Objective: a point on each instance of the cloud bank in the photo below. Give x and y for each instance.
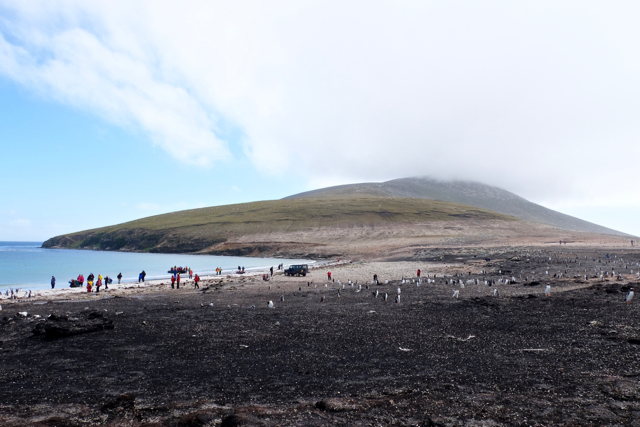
(540, 98)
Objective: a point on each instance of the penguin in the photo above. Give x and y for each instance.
(629, 296)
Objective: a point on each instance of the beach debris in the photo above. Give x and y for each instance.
(404, 349)
(371, 311)
(456, 294)
(460, 339)
(210, 304)
(277, 324)
(144, 322)
(119, 312)
(244, 346)
(253, 307)
(23, 314)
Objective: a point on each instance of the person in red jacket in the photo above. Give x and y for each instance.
(196, 280)
(328, 275)
(418, 273)
(173, 281)
(178, 281)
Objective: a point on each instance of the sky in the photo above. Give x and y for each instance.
(113, 111)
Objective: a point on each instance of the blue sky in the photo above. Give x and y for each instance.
(65, 170)
(112, 111)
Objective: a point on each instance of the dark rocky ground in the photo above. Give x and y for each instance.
(170, 358)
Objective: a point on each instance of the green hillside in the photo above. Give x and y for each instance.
(201, 229)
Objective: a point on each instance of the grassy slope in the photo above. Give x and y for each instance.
(220, 223)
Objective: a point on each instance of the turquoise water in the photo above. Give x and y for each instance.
(28, 266)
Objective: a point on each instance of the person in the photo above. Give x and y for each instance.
(328, 275)
(100, 277)
(53, 282)
(89, 285)
(375, 277)
(139, 277)
(107, 280)
(243, 268)
(173, 281)
(119, 277)
(418, 273)
(190, 274)
(144, 274)
(178, 280)
(196, 280)
(271, 270)
(98, 283)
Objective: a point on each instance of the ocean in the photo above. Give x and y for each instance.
(28, 266)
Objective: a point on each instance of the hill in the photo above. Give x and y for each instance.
(288, 227)
(466, 193)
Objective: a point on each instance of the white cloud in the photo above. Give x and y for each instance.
(539, 98)
(20, 222)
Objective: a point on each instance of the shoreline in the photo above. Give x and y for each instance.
(148, 285)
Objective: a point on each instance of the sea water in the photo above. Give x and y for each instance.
(28, 266)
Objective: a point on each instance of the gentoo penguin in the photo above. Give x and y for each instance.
(547, 291)
(629, 296)
(456, 294)
(270, 304)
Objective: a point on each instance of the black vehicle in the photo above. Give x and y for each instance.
(297, 270)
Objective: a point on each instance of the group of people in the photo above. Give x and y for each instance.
(175, 280)
(218, 271)
(91, 279)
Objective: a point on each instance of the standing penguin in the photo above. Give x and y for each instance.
(629, 296)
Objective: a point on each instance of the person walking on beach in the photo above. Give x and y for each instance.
(89, 285)
(98, 283)
(119, 277)
(106, 282)
(178, 280)
(271, 270)
(196, 280)
(328, 275)
(53, 282)
(418, 273)
(173, 281)
(190, 274)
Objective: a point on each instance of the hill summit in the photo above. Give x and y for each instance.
(466, 193)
